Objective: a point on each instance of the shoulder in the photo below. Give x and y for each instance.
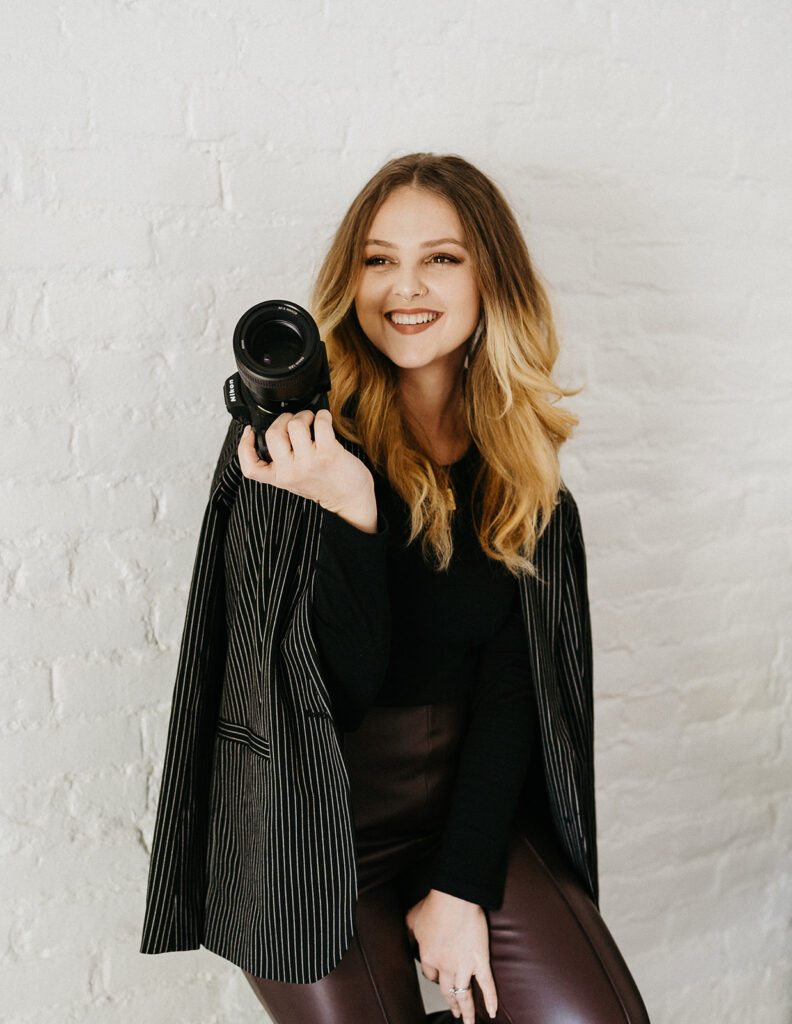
(561, 543)
(564, 520)
(568, 512)
(571, 533)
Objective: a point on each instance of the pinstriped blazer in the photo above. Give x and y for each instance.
(253, 853)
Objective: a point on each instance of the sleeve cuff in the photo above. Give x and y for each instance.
(490, 897)
(344, 536)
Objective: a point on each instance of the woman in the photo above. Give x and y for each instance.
(433, 599)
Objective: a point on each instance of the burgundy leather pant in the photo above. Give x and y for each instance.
(552, 957)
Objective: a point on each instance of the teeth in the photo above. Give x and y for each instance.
(410, 319)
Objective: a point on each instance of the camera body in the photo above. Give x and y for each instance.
(281, 367)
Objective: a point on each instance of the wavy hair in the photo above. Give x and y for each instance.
(507, 395)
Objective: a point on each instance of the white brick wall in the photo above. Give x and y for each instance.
(163, 167)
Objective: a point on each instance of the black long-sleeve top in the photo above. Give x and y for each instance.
(391, 630)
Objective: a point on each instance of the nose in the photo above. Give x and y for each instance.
(409, 285)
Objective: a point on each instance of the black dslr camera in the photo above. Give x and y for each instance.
(282, 364)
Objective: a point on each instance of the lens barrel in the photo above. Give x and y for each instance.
(278, 352)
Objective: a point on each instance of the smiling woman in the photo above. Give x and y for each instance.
(438, 231)
(381, 747)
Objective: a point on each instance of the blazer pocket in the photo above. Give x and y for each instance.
(241, 734)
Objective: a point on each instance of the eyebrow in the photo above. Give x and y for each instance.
(424, 245)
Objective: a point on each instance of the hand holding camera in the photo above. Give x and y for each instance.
(280, 392)
(318, 468)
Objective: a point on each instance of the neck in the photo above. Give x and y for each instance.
(431, 401)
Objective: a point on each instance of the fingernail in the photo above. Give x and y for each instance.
(491, 1012)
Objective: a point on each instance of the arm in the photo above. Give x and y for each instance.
(449, 924)
(493, 764)
(352, 615)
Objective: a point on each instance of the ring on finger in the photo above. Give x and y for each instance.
(458, 991)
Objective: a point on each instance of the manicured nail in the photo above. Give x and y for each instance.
(491, 1012)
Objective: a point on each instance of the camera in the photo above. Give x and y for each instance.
(282, 367)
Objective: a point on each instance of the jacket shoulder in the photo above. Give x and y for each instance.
(568, 512)
(564, 521)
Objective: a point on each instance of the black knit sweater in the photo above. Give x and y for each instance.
(393, 631)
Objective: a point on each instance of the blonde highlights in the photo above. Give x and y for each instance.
(507, 396)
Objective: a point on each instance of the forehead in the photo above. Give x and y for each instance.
(414, 215)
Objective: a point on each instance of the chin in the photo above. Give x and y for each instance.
(410, 364)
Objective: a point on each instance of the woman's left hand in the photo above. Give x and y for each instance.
(453, 946)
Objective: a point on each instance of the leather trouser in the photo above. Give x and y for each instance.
(552, 957)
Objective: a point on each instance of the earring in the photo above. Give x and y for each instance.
(475, 338)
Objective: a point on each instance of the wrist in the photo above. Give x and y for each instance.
(439, 897)
(361, 513)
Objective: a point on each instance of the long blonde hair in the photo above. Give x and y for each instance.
(508, 396)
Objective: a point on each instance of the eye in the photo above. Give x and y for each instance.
(375, 261)
(443, 257)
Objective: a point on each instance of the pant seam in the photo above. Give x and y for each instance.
(370, 973)
(502, 1009)
(578, 922)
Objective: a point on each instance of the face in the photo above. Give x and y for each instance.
(417, 299)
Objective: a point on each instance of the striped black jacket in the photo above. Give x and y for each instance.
(253, 852)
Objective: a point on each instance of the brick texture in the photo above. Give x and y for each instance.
(165, 166)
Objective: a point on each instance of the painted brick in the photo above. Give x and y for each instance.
(26, 694)
(52, 631)
(137, 174)
(125, 683)
(162, 168)
(32, 238)
(126, 104)
(81, 746)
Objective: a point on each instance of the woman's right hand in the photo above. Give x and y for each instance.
(320, 469)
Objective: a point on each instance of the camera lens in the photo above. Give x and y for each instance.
(278, 353)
